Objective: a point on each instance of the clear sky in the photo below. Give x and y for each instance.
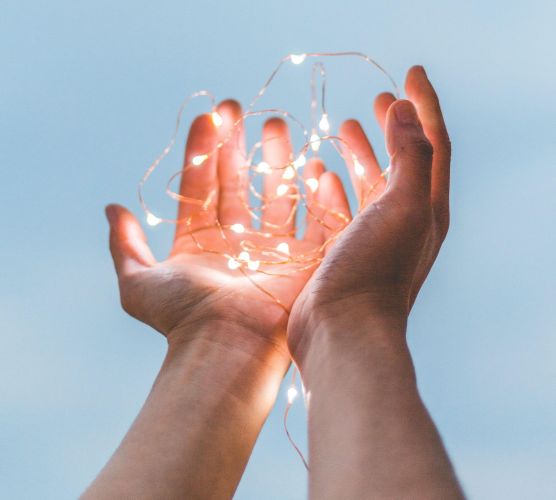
(88, 95)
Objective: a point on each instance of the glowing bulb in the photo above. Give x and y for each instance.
(283, 248)
(315, 142)
(216, 119)
(324, 124)
(297, 58)
(237, 228)
(199, 159)
(233, 264)
(263, 168)
(312, 184)
(358, 168)
(153, 220)
(289, 173)
(253, 265)
(244, 256)
(282, 189)
(300, 161)
(292, 394)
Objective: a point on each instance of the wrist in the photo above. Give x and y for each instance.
(226, 361)
(349, 337)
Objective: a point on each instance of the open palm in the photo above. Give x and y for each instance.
(194, 286)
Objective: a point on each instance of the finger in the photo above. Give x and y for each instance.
(311, 175)
(368, 182)
(410, 154)
(382, 103)
(332, 196)
(199, 183)
(233, 179)
(420, 91)
(128, 243)
(278, 215)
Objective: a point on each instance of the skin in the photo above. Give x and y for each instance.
(227, 351)
(370, 435)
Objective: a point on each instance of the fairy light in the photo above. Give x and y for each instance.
(263, 168)
(312, 184)
(292, 394)
(238, 245)
(289, 173)
(324, 124)
(315, 142)
(300, 161)
(233, 264)
(358, 168)
(283, 248)
(153, 220)
(216, 119)
(237, 228)
(297, 58)
(282, 189)
(253, 265)
(199, 160)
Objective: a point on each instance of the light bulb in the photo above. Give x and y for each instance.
(315, 142)
(233, 264)
(199, 159)
(292, 394)
(324, 124)
(289, 173)
(263, 168)
(358, 168)
(253, 265)
(297, 58)
(237, 228)
(244, 256)
(283, 248)
(300, 161)
(216, 119)
(282, 189)
(312, 184)
(153, 220)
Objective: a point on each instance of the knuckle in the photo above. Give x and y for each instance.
(420, 149)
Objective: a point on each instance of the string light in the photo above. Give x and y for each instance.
(283, 248)
(199, 160)
(312, 184)
(298, 58)
(324, 124)
(216, 119)
(292, 394)
(153, 220)
(239, 250)
(358, 168)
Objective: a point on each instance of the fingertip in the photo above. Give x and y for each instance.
(314, 168)
(350, 127)
(275, 125)
(382, 102)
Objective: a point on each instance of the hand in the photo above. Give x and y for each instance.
(379, 263)
(192, 287)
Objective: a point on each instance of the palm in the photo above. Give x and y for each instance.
(196, 283)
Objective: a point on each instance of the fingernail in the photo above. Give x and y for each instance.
(405, 113)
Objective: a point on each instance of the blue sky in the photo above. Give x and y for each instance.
(88, 95)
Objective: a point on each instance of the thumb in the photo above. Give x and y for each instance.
(128, 243)
(410, 152)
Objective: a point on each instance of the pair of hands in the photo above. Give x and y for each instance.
(377, 266)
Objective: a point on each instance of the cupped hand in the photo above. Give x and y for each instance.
(382, 258)
(193, 287)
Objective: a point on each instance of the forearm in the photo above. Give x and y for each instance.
(370, 436)
(194, 435)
